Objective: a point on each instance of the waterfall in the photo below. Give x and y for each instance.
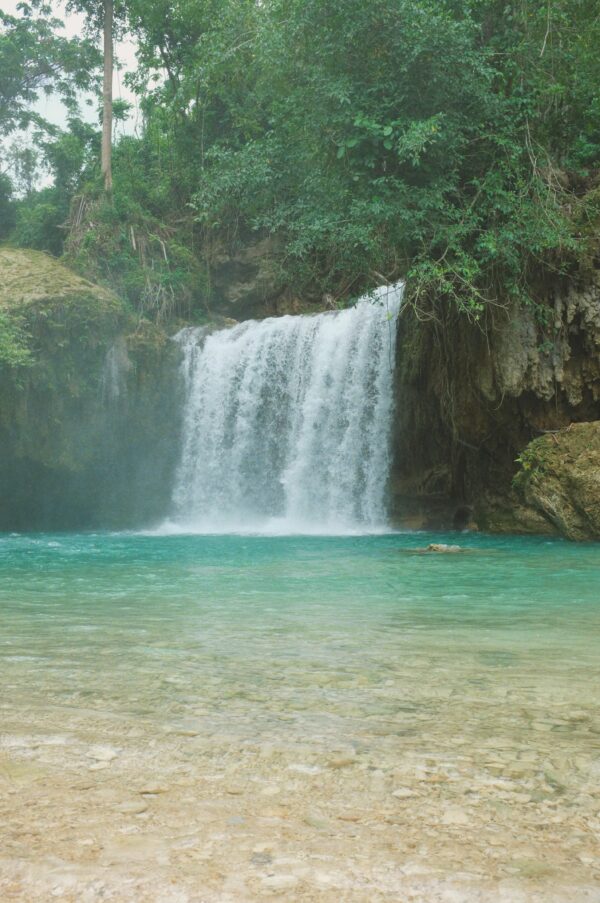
(287, 422)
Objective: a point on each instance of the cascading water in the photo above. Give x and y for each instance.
(287, 422)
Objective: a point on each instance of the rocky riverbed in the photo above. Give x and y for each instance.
(94, 808)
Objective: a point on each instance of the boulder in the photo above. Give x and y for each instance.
(560, 479)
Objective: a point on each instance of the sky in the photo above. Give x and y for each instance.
(51, 107)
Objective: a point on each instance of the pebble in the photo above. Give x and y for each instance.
(152, 789)
(350, 816)
(274, 812)
(280, 882)
(236, 820)
(313, 820)
(132, 807)
(327, 879)
(342, 762)
(186, 843)
(271, 790)
(261, 859)
(102, 753)
(234, 789)
(403, 793)
(533, 868)
(516, 773)
(578, 716)
(454, 815)
(304, 769)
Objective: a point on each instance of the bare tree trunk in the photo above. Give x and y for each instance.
(107, 97)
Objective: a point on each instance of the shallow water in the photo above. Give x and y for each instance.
(306, 718)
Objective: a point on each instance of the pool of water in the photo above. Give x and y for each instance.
(319, 718)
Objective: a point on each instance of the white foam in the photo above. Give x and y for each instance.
(287, 424)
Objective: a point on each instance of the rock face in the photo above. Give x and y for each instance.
(88, 427)
(89, 411)
(469, 400)
(560, 479)
(245, 282)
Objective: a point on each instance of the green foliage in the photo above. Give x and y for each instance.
(453, 143)
(421, 139)
(143, 259)
(7, 211)
(533, 462)
(35, 58)
(39, 218)
(14, 350)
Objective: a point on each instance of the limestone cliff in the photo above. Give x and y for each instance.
(471, 399)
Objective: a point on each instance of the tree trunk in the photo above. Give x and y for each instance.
(107, 97)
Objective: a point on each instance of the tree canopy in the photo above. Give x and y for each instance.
(35, 57)
(454, 143)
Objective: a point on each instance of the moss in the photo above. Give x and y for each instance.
(560, 479)
(14, 342)
(55, 329)
(70, 455)
(49, 317)
(30, 277)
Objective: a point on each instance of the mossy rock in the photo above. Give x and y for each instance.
(560, 479)
(72, 454)
(46, 308)
(33, 278)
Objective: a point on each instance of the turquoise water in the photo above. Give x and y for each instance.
(296, 621)
(356, 663)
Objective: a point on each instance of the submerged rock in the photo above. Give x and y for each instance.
(442, 547)
(439, 548)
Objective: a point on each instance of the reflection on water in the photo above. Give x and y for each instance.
(310, 718)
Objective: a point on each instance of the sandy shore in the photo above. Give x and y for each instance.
(97, 808)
